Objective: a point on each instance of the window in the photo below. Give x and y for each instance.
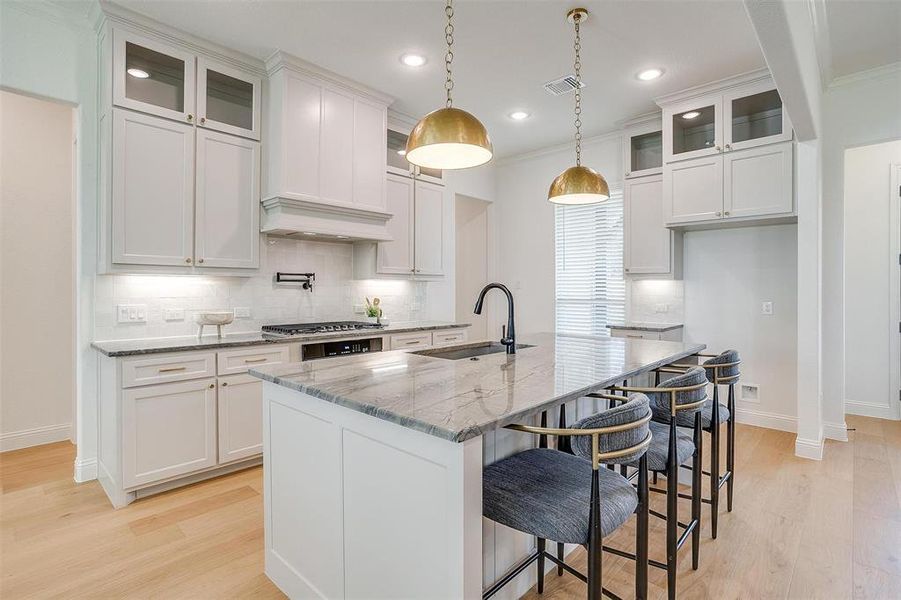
(590, 289)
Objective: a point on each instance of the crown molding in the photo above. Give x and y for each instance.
(588, 141)
(114, 14)
(881, 72)
(820, 21)
(280, 59)
(715, 86)
(655, 116)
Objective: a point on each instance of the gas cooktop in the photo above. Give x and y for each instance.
(326, 327)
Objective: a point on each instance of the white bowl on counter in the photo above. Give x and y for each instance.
(213, 317)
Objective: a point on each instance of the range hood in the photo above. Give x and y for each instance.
(305, 217)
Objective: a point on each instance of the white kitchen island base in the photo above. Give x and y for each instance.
(360, 507)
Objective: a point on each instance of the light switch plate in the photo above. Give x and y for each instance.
(131, 313)
(661, 308)
(173, 314)
(766, 308)
(242, 312)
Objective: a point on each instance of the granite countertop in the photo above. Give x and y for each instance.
(655, 327)
(116, 348)
(459, 400)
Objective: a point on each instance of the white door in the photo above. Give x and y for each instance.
(758, 181)
(153, 190)
(168, 430)
(428, 217)
(396, 257)
(228, 99)
(693, 190)
(753, 116)
(153, 77)
(648, 242)
(240, 417)
(336, 145)
(228, 201)
(370, 131)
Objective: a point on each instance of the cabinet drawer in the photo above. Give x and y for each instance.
(635, 335)
(164, 369)
(447, 338)
(234, 362)
(403, 341)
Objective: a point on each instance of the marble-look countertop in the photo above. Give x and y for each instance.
(211, 342)
(653, 327)
(459, 400)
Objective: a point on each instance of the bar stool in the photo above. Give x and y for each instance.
(679, 398)
(722, 369)
(567, 498)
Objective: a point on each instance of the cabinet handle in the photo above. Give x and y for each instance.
(224, 383)
(726, 213)
(413, 343)
(188, 260)
(212, 385)
(172, 369)
(728, 147)
(190, 117)
(626, 270)
(254, 360)
(200, 260)
(629, 335)
(202, 120)
(718, 149)
(719, 214)
(628, 173)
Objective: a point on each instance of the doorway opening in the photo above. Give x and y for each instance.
(473, 260)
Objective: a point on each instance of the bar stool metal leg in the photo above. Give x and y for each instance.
(672, 513)
(714, 462)
(730, 447)
(696, 467)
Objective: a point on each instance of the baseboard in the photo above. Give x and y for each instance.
(869, 409)
(85, 469)
(766, 419)
(812, 449)
(16, 440)
(836, 431)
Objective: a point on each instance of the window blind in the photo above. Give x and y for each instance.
(590, 289)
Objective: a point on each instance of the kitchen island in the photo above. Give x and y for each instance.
(373, 464)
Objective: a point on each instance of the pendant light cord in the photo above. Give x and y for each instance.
(577, 65)
(449, 56)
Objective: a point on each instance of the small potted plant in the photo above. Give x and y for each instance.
(373, 310)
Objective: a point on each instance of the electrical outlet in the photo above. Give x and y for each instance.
(749, 392)
(359, 309)
(766, 308)
(173, 314)
(242, 312)
(131, 313)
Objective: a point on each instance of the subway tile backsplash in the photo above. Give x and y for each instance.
(333, 297)
(647, 295)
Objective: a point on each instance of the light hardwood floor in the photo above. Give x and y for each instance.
(800, 529)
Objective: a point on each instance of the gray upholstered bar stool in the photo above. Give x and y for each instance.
(567, 498)
(722, 369)
(679, 398)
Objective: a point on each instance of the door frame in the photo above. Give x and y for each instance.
(895, 286)
(492, 306)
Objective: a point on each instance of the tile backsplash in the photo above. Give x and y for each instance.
(333, 297)
(650, 296)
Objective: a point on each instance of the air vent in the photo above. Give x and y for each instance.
(561, 86)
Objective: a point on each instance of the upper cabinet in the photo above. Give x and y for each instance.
(326, 154)
(753, 116)
(643, 147)
(228, 99)
(397, 157)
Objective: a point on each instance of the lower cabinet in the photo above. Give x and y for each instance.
(168, 430)
(240, 417)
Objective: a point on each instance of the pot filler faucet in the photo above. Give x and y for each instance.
(509, 334)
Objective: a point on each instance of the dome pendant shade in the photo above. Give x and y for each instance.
(578, 185)
(449, 138)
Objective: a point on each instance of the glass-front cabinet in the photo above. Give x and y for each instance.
(398, 163)
(754, 116)
(692, 129)
(228, 100)
(153, 77)
(643, 147)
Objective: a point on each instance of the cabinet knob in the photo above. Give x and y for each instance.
(224, 383)
(728, 147)
(718, 149)
(212, 385)
(626, 270)
(188, 260)
(202, 120)
(726, 213)
(719, 214)
(628, 173)
(200, 260)
(190, 117)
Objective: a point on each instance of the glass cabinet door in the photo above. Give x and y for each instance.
(754, 116)
(228, 99)
(694, 131)
(643, 150)
(397, 162)
(152, 77)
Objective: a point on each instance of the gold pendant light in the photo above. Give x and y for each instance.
(449, 138)
(578, 184)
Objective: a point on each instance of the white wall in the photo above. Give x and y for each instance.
(49, 50)
(858, 110)
(728, 273)
(37, 278)
(870, 225)
(526, 262)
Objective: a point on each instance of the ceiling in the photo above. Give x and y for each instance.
(863, 35)
(504, 52)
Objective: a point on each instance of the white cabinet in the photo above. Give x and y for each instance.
(168, 430)
(240, 417)
(152, 190)
(753, 115)
(643, 147)
(428, 229)
(693, 190)
(758, 181)
(692, 128)
(228, 99)
(336, 147)
(649, 245)
(227, 201)
(417, 229)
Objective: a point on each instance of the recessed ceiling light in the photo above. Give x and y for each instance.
(650, 74)
(691, 115)
(519, 115)
(412, 60)
(139, 73)
(402, 152)
(308, 233)
(342, 237)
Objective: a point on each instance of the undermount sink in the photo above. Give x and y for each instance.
(470, 351)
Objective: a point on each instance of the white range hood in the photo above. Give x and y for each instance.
(287, 216)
